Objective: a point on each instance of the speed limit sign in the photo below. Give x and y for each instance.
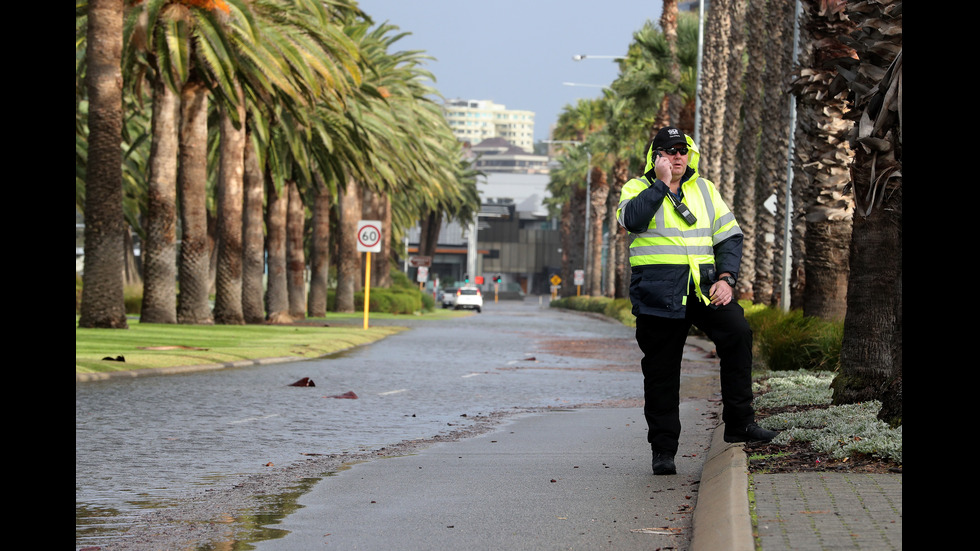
(369, 236)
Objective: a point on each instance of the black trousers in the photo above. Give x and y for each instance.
(662, 342)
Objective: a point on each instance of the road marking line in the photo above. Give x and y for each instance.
(472, 375)
(393, 392)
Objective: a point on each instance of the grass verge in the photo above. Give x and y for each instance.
(162, 345)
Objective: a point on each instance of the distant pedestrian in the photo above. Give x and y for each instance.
(685, 251)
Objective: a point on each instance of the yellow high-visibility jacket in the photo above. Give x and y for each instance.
(669, 259)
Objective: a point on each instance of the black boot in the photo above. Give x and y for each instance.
(663, 463)
(749, 433)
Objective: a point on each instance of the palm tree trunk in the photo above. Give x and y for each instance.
(276, 296)
(349, 261)
(617, 233)
(253, 239)
(823, 158)
(600, 192)
(102, 282)
(771, 176)
(748, 147)
(320, 253)
(572, 239)
(160, 245)
(733, 103)
(871, 351)
(295, 255)
(714, 87)
(382, 261)
(429, 226)
(192, 178)
(670, 106)
(228, 296)
(828, 246)
(131, 270)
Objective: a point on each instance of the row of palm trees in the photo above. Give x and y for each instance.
(765, 64)
(259, 129)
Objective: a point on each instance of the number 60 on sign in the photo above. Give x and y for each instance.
(369, 236)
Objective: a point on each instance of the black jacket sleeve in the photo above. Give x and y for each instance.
(728, 255)
(639, 211)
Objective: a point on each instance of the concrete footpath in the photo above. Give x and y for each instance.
(581, 479)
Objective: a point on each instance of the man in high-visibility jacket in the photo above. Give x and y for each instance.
(685, 250)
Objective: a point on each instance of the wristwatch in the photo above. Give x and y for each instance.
(728, 279)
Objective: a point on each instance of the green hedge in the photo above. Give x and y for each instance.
(787, 341)
(619, 309)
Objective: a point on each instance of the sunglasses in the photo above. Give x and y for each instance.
(674, 150)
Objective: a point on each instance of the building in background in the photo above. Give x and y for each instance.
(498, 155)
(513, 237)
(473, 121)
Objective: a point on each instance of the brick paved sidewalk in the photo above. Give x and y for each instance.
(828, 511)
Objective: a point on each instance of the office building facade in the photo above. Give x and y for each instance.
(473, 121)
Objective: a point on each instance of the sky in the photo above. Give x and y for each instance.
(518, 52)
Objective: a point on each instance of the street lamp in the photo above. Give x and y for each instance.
(580, 57)
(588, 85)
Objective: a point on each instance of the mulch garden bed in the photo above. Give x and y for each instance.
(798, 457)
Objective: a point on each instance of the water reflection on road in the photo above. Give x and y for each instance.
(146, 441)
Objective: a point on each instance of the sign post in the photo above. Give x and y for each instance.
(579, 281)
(368, 241)
(555, 285)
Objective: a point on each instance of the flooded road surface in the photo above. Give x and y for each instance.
(148, 443)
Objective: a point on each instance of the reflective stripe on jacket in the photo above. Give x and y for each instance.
(667, 255)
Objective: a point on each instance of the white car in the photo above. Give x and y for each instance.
(447, 297)
(470, 298)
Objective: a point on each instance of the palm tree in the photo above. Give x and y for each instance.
(460, 204)
(566, 188)
(320, 249)
(348, 258)
(102, 291)
(626, 143)
(647, 76)
(276, 296)
(230, 201)
(577, 124)
(292, 57)
(159, 250)
(253, 235)
(670, 107)
(747, 159)
(408, 150)
(714, 87)
(772, 167)
(161, 48)
(167, 43)
(823, 158)
(295, 252)
(871, 351)
(192, 177)
(735, 69)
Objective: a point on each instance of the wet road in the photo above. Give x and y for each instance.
(146, 443)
